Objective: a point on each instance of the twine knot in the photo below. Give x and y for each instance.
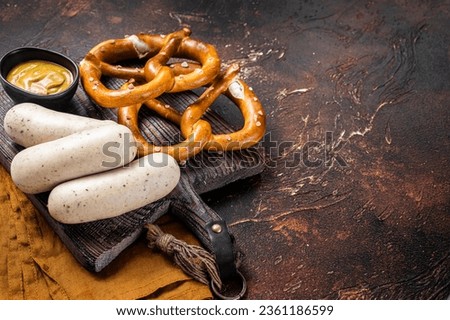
(193, 260)
(164, 242)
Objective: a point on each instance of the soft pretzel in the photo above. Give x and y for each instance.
(249, 105)
(145, 84)
(196, 131)
(200, 135)
(156, 77)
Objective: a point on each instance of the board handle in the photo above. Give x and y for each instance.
(211, 230)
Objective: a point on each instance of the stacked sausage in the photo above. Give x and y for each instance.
(87, 165)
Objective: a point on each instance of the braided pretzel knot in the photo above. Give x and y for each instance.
(155, 78)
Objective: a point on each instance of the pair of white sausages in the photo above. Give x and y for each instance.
(86, 164)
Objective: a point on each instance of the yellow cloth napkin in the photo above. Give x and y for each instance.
(35, 264)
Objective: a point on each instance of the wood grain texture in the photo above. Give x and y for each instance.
(354, 199)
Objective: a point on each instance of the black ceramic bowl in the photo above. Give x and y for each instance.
(57, 101)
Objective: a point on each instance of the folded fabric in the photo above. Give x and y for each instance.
(35, 264)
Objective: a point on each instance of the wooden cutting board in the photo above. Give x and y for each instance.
(96, 244)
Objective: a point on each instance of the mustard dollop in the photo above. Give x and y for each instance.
(40, 77)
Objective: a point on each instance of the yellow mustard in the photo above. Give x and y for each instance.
(40, 77)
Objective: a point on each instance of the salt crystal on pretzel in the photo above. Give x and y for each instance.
(142, 48)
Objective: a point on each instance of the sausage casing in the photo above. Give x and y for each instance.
(110, 194)
(29, 124)
(41, 167)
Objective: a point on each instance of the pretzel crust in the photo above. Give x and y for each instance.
(145, 84)
(196, 131)
(156, 77)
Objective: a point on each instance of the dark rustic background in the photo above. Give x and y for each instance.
(355, 198)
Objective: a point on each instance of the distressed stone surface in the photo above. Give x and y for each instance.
(354, 200)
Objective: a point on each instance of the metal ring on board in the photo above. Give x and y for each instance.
(240, 295)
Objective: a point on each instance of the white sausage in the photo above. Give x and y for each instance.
(29, 124)
(110, 194)
(42, 167)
